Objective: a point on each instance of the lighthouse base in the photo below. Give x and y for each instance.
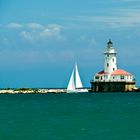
(112, 86)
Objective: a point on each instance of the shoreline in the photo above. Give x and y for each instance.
(45, 91)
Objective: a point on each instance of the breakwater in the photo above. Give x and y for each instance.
(32, 90)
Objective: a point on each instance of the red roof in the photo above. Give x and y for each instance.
(120, 72)
(101, 72)
(116, 72)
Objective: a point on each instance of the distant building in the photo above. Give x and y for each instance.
(112, 78)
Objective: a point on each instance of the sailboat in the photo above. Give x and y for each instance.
(75, 84)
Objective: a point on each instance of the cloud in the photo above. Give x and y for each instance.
(35, 26)
(51, 31)
(129, 20)
(91, 41)
(14, 25)
(35, 31)
(112, 18)
(130, 0)
(26, 35)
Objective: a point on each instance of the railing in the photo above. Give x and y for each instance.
(91, 81)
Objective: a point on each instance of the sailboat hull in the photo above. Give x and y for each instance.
(77, 91)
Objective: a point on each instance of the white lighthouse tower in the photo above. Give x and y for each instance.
(110, 59)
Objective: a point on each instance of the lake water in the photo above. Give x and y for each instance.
(100, 116)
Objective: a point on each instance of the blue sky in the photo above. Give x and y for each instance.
(40, 40)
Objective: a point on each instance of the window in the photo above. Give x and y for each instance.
(113, 59)
(106, 76)
(97, 77)
(122, 77)
(113, 69)
(107, 65)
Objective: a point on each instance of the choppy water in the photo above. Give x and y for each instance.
(108, 116)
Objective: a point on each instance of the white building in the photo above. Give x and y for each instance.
(112, 78)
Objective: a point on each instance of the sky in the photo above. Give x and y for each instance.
(40, 40)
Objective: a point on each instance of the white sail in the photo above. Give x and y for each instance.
(75, 84)
(78, 80)
(71, 85)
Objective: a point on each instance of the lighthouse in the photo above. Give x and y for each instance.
(111, 78)
(110, 64)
